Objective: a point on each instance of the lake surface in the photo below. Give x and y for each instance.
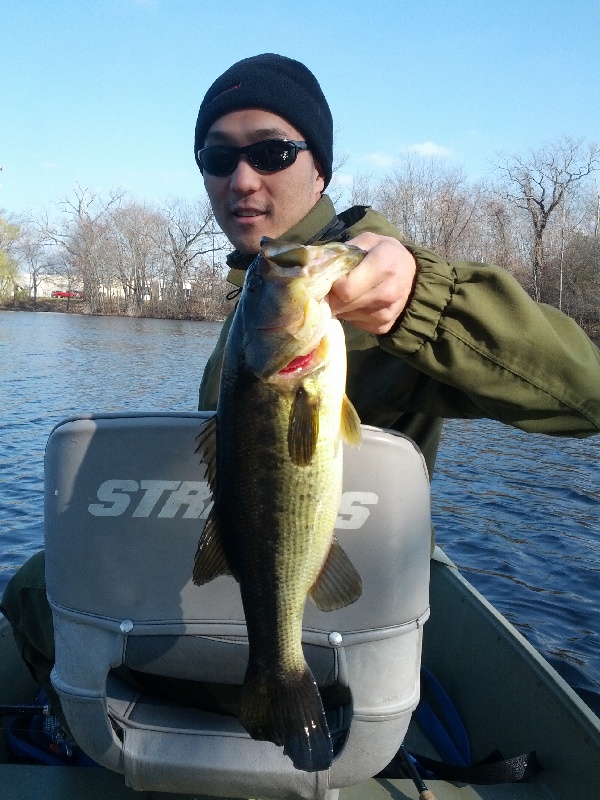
(518, 513)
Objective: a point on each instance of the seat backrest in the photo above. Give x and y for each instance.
(125, 501)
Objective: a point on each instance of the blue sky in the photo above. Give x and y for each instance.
(104, 93)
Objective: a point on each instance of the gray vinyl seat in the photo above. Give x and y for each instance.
(125, 501)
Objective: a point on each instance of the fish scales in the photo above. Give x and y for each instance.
(277, 484)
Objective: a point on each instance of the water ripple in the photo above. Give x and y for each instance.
(519, 515)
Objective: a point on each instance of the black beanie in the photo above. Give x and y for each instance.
(277, 84)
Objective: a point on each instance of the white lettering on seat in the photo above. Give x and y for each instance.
(153, 491)
(190, 493)
(115, 496)
(353, 512)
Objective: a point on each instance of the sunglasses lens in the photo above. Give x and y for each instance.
(272, 155)
(219, 161)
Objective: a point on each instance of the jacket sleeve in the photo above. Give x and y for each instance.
(493, 352)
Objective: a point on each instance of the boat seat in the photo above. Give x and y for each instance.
(125, 500)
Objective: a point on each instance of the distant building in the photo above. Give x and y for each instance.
(153, 290)
(47, 284)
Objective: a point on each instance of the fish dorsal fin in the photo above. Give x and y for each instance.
(350, 423)
(210, 560)
(338, 584)
(207, 448)
(303, 430)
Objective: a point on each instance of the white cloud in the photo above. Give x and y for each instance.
(380, 160)
(430, 150)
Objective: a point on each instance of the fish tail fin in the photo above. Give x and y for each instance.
(288, 711)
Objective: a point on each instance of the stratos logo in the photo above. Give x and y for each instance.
(192, 500)
(116, 495)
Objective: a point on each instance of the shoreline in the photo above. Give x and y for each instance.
(75, 306)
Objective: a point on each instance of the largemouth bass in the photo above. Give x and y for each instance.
(274, 465)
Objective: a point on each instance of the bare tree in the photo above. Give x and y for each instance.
(9, 235)
(431, 203)
(581, 289)
(32, 250)
(499, 232)
(190, 235)
(81, 238)
(539, 183)
(210, 291)
(132, 252)
(573, 262)
(362, 190)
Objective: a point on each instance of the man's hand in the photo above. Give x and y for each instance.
(376, 292)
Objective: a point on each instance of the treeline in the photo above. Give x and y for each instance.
(126, 257)
(537, 215)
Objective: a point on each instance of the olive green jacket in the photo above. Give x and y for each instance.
(471, 343)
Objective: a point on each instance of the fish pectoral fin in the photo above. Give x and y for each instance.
(207, 448)
(210, 560)
(303, 430)
(338, 584)
(350, 423)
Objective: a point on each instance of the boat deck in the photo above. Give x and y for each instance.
(19, 782)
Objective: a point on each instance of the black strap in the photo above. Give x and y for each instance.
(491, 770)
(442, 725)
(353, 215)
(337, 229)
(328, 233)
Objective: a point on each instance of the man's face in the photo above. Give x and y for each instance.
(249, 203)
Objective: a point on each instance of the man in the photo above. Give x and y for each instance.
(426, 339)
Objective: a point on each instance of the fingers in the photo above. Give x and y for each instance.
(376, 292)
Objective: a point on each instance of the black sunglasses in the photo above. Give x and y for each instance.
(270, 155)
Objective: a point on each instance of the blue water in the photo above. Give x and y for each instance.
(518, 513)
(55, 365)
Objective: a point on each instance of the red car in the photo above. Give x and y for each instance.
(58, 293)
